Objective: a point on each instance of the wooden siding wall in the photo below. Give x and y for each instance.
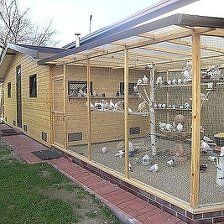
(106, 126)
(35, 111)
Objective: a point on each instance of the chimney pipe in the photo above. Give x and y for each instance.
(77, 39)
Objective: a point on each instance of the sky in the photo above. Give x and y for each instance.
(72, 16)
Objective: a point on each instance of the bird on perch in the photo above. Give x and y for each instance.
(159, 80)
(111, 105)
(119, 106)
(205, 147)
(145, 80)
(142, 107)
(179, 127)
(139, 82)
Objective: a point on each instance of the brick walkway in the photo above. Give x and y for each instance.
(126, 206)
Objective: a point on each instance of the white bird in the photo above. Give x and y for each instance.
(174, 82)
(139, 82)
(187, 105)
(104, 150)
(146, 160)
(205, 147)
(171, 162)
(207, 139)
(142, 107)
(159, 80)
(129, 110)
(214, 73)
(135, 88)
(120, 153)
(179, 127)
(130, 167)
(111, 105)
(162, 125)
(163, 105)
(104, 105)
(154, 168)
(119, 106)
(145, 79)
(179, 81)
(169, 127)
(212, 158)
(168, 82)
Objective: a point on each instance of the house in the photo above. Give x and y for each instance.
(107, 66)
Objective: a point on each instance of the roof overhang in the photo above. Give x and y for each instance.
(180, 20)
(9, 55)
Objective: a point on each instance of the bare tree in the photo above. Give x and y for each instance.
(17, 27)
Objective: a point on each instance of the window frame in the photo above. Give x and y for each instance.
(33, 93)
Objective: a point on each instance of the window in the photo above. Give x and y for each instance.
(9, 90)
(74, 136)
(33, 85)
(79, 88)
(130, 88)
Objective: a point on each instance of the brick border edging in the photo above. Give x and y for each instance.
(119, 214)
(186, 216)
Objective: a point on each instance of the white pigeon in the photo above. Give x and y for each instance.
(154, 168)
(168, 82)
(179, 81)
(162, 125)
(187, 105)
(111, 105)
(129, 110)
(159, 80)
(139, 82)
(120, 153)
(104, 150)
(163, 105)
(179, 127)
(142, 107)
(207, 139)
(135, 88)
(119, 106)
(205, 147)
(130, 167)
(169, 127)
(145, 79)
(212, 158)
(170, 162)
(104, 105)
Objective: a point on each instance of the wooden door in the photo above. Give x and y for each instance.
(19, 96)
(58, 112)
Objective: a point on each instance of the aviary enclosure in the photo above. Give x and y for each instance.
(149, 109)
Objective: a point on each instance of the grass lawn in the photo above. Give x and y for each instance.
(40, 194)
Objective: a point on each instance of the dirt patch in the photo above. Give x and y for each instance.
(86, 207)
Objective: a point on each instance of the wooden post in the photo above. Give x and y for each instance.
(65, 105)
(126, 104)
(167, 99)
(196, 120)
(152, 110)
(89, 149)
(51, 97)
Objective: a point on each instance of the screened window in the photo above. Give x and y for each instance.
(79, 88)
(33, 85)
(130, 88)
(9, 90)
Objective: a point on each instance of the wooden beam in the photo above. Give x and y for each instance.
(204, 47)
(65, 102)
(196, 121)
(166, 50)
(126, 105)
(89, 149)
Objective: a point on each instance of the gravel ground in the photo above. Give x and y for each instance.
(172, 180)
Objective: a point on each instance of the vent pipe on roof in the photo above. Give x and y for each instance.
(77, 39)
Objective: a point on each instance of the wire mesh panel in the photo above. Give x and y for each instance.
(77, 109)
(212, 110)
(163, 154)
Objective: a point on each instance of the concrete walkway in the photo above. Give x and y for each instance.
(127, 207)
